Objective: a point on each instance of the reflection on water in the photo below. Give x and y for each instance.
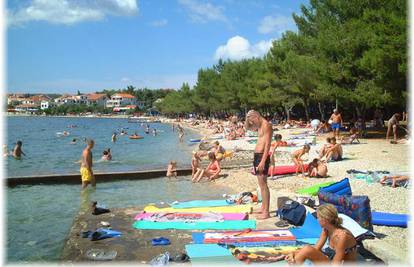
(39, 217)
(49, 153)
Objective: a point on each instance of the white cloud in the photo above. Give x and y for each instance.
(203, 12)
(159, 23)
(238, 48)
(70, 12)
(277, 24)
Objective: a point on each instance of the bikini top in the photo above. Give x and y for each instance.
(347, 250)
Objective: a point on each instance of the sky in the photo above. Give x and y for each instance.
(61, 46)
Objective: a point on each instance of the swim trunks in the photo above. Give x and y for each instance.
(335, 126)
(86, 175)
(256, 162)
(339, 158)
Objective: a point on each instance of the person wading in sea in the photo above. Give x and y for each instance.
(86, 165)
(261, 162)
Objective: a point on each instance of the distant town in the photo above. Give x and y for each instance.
(113, 102)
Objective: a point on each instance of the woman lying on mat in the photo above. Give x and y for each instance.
(342, 244)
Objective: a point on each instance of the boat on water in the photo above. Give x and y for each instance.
(143, 119)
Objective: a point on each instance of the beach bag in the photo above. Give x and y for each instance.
(292, 212)
(356, 207)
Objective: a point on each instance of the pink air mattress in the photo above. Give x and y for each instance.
(280, 170)
(182, 216)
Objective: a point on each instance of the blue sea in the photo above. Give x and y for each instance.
(39, 217)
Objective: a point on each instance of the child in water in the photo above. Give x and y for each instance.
(172, 169)
(297, 159)
(106, 155)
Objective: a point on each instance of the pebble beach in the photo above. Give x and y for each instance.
(371, 154)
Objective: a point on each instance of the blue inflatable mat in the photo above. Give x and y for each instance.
(341, 188)
(201, 203)
(206, 254)
(225, 225)
(389, 219)
(309, 229)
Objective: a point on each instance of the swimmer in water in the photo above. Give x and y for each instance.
(5, 151)
(74, 140)
(18, 152)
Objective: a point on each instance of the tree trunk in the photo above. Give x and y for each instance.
(287, 111)
(306, 105)
(321, 111)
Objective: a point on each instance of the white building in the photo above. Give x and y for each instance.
(97, 99)
(121, 100)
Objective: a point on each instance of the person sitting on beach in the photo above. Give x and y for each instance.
(172, 169)
(317, 168)
(106, 155)
(297, 159)
(218, 150)
(393, 124)
(87, 175)
(17, 151)
(325, 148)
(211, 172)
(113, 138)
(353, 135)
(334, 152)
(314, 124)
(240, 132)
(342, 244)
(396, 180)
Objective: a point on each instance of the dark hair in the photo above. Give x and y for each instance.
(328, 139)
(306, 146)
(19, 142)
(333, 139)
(278, 137)
(105, 152)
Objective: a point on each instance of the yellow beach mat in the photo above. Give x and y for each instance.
(222, 209)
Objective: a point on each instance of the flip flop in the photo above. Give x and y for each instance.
(161, 241)
(282, 223)
(182, 257)
(100, 254)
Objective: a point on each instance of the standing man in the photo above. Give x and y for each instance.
(336, 119)
(393, 123)
(86, 165)
(17, 151)
(261, 162)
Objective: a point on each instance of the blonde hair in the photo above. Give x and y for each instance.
(251, 113)
(329, 213)
(173, 162)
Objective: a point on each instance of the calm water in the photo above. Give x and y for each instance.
(49, 153)
(39, 217)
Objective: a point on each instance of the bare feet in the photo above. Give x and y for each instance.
(258, 211)
(263, 216)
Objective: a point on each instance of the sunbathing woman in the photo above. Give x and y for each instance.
(353, 135)
(297, 159)
(211, 172)
(397, 179)
(342, 244)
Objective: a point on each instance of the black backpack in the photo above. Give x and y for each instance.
(293, 212)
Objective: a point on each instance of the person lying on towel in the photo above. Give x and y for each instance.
(397, 180)
(342, 244)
